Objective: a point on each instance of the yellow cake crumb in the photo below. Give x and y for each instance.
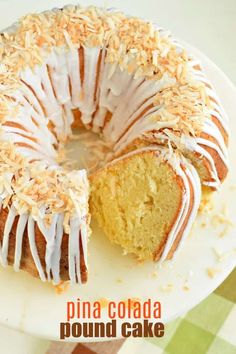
(212, 272)
(62, 287)
(154, 274)
(186, 288)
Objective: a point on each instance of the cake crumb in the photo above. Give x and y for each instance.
(222, 256)
(62, 287)
(186, 288)
(207, 204)
(212, 272)
(222, 218)
(154, 274)
(224, 232)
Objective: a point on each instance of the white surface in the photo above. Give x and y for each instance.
(13, 342)
(34, 307)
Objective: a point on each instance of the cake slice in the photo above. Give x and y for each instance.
(146, 201)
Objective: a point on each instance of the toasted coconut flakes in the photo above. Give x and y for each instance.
(131, 43)
(62, 287)
(32, 185)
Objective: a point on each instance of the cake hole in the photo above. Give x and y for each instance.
(84, 149)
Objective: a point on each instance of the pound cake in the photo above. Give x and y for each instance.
(134, 85)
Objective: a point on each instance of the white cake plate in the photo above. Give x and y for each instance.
(31, 306)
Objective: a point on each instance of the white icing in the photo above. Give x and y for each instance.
(49, 233)
(21, 225)
(6, 235)
(33, 247)
(194, 179)
(74, 255)
(218, 110)
(203, 152)
(110, 91)
(73, 64)
(135, 101)
(192, 144)
(56, 256)
(88, 105)
(211, 129)
(212, 145)
(118, 92)
(183, 214)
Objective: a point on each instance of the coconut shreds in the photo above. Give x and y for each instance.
(35, 188)
(132, 43)
(186, 288)
(181, 105)
(62, 287)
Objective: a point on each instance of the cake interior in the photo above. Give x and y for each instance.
(136, 201)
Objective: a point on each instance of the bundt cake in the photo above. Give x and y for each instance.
(148, 100)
